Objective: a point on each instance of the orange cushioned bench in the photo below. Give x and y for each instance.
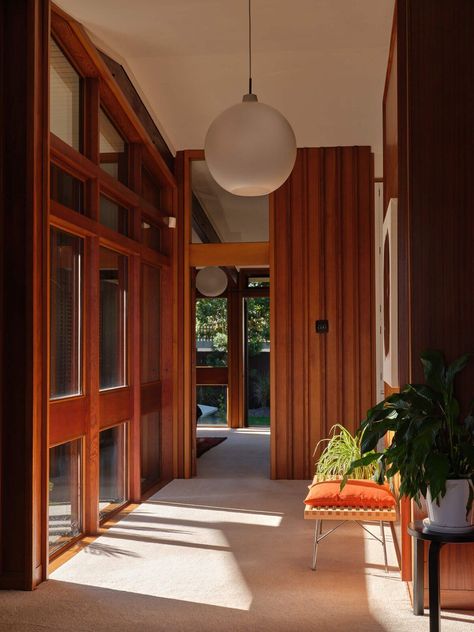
(359, 501)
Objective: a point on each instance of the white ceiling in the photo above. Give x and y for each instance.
(320, 62)
(234, 218)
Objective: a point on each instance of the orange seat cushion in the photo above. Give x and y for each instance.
(356, 493)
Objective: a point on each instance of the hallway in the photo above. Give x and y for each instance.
(228, 550)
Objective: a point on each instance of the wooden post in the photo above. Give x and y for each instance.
(23, 125)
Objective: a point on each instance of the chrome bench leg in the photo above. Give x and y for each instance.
(317, 530)
(384, 544)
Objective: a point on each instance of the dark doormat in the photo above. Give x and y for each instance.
(203, 444)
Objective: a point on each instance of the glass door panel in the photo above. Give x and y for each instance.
(65, 494)
(113, 487)
(113, 319)
(66, 314)
(257, 317)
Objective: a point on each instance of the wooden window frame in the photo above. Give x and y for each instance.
(85, 416)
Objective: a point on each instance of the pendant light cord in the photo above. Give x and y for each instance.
(250, 48)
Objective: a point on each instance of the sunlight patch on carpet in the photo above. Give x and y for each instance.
(177, 552)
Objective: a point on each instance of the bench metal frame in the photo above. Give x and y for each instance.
(345, 514)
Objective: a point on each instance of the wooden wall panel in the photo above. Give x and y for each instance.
(428, 102)
(321, 268)
(24, 132)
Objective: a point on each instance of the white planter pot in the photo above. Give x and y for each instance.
(451, 511)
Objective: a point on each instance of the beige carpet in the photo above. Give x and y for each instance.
(227, 551)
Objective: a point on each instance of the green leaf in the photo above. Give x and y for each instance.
(437, 469)
(470, 499)
(454, 368)
(433, 366)
(362, 462)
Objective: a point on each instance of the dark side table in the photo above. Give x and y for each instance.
(437, 540)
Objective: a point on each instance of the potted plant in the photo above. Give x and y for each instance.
(432, 447)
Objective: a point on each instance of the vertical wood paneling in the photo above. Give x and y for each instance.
(280, 334)
(428, 163)
(316, 300)
(322, 268)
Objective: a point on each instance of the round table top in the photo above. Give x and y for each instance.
(418, 530)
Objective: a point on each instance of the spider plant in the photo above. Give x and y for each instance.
(341, 450)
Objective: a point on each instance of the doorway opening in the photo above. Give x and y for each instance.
(232, 364)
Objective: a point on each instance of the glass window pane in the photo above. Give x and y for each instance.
(113, 215)
(211, 332)
(151, 235)
(151, 287)
(112, 469)
(220, 216)
(257, 365)
(151, 191)
(64, 509)
(261, 281)
(113, 319)
(113, 149)
(211, 405)
(66, 189)
(65, 98)
(66, 314)
(150, 449)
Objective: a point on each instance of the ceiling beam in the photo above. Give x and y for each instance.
(244, 255)
(208, 235)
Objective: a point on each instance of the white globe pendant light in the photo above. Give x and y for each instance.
(250, 148)
(211, 281)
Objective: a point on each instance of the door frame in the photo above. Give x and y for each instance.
(189, 257)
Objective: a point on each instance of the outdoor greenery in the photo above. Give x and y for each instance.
(211, 323)
(213, 396)
(258, 421)
(431, 442)
(260, 387)
(336, 458)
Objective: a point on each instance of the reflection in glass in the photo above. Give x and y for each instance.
(211, 332)
(66, 189)
(113, 319)
(150, 449)
(112, 469)
(64, 508)
(113, 150)
(65, 98)
(151, 191)
(220, 216)
(260, 281)
(211, 405)
(150, 334)
(113, 215)
(151, 235)
(66, 312)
